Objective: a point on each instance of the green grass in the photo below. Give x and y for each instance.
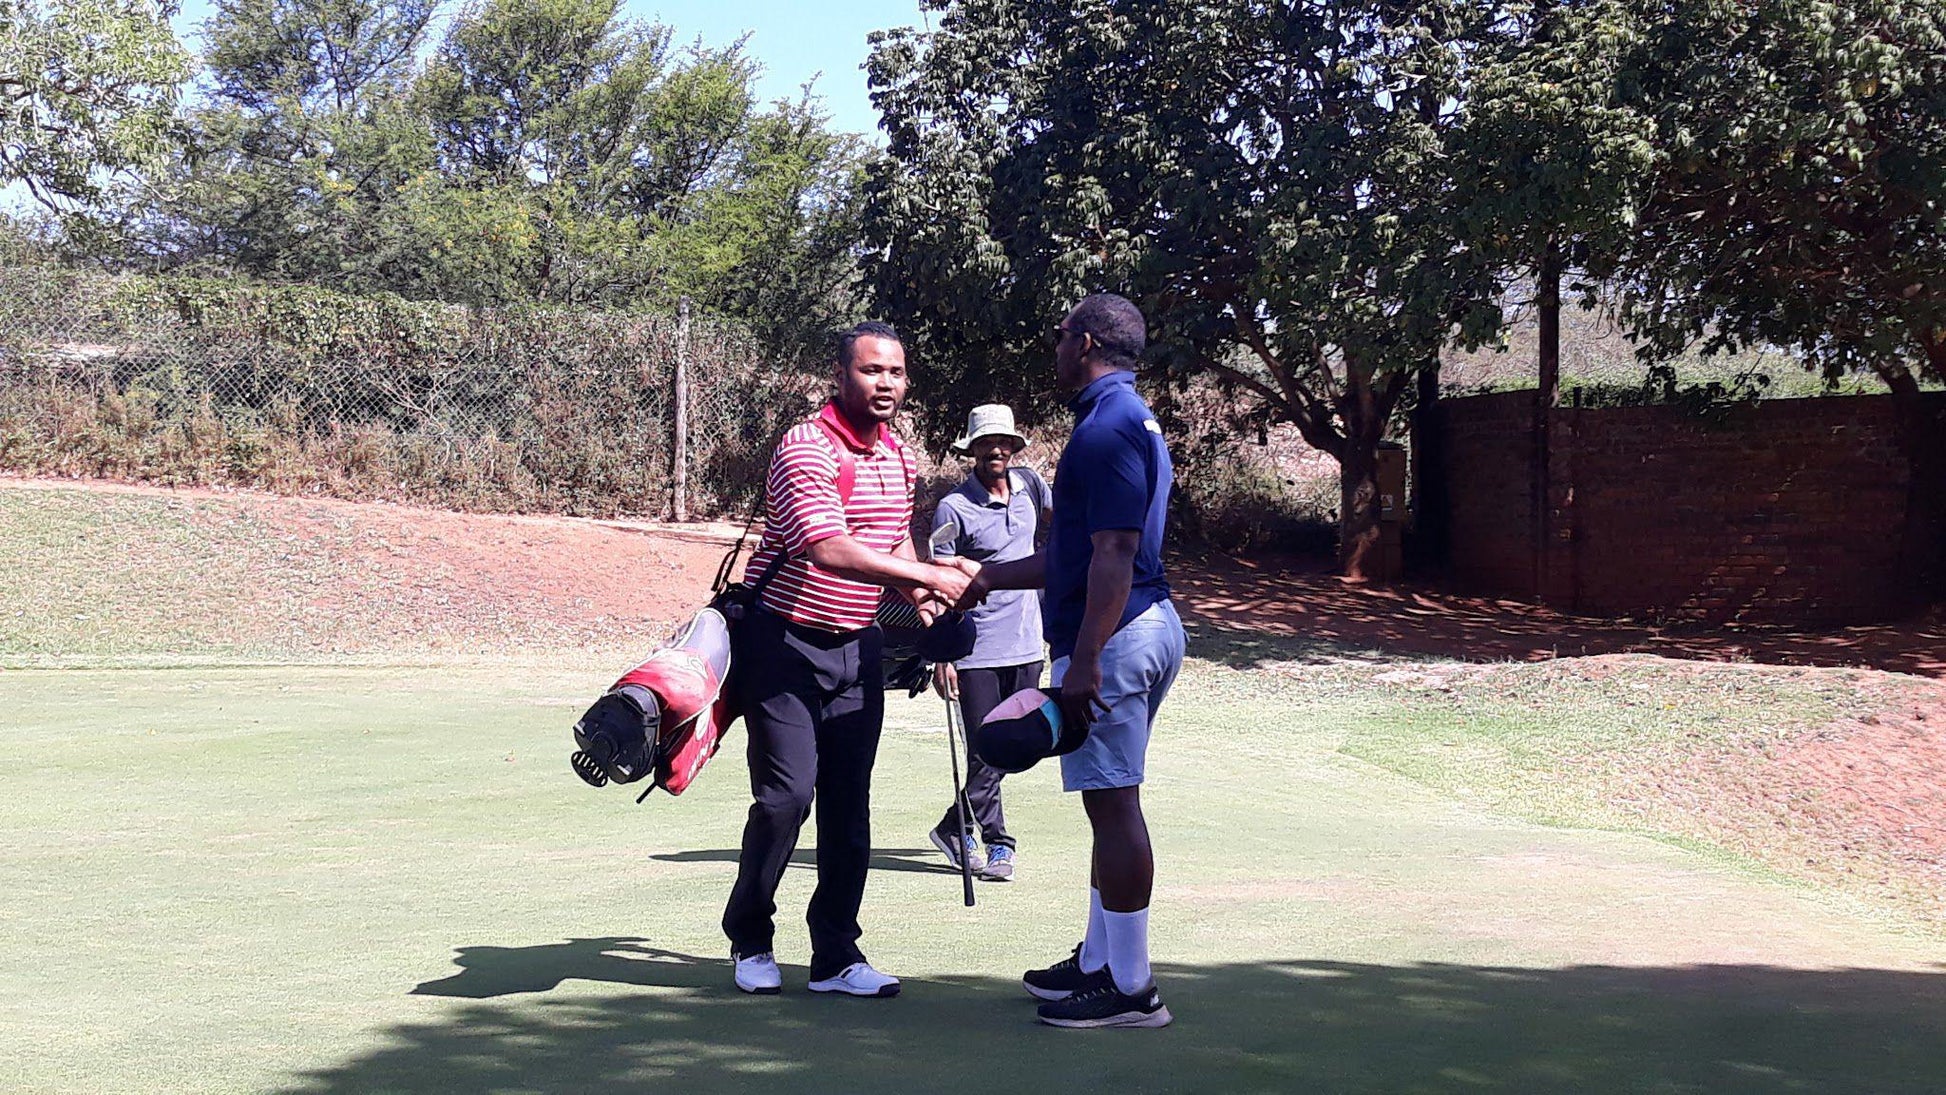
(87, 574)
(104, 577)
(1539, 740)
(385, 879)
(1376, 875)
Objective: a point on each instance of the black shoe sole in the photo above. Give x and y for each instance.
(760, 992)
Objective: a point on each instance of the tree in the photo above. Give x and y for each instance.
(1272, 183)
(550, 151)
(302, 147)
(1553, 168)
(87, 88)
(640, 171)
(1800, 198)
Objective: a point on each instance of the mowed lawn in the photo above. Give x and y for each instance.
(385, 879)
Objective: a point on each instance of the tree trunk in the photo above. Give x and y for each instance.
(1548, 299)
(1365, 408)
(1429, 495)
(1922, 439)
(1358, 508)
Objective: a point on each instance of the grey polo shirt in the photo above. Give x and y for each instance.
(1007, 628)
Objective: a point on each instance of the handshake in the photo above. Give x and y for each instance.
(952, 584)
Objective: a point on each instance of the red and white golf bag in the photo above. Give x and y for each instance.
(665, 717)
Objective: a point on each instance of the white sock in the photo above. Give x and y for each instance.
(1128, 949)
(1094, 945)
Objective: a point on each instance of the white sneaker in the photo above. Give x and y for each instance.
(859, 979)
(758, 974)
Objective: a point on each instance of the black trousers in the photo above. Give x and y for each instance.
(980, 691)
(813, 704)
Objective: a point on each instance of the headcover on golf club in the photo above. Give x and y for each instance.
(913, 647)
(1026, 728)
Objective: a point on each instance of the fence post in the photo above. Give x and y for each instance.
(680, 459)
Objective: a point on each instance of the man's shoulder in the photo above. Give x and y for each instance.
(1121, 416)
(1125, 403)
(807, 441)
(957, 501)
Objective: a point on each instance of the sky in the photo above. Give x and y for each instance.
(795, 40)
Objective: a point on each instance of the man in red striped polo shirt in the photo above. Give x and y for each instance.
(838, 515)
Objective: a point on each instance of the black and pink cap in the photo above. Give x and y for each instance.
(1024, 729)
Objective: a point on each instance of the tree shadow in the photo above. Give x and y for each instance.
(907, 860)
(1283, 1026)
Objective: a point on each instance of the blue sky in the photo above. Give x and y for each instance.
(795, 40)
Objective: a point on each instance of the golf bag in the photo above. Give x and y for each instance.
(665, 717)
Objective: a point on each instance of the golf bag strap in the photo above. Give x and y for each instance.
(847, 464)
(847, 486)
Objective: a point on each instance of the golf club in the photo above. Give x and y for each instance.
(955, 735)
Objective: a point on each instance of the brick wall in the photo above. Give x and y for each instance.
(1785, 511)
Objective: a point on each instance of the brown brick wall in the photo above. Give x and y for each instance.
(1785, 511)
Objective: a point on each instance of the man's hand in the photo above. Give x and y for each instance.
(945, 680)
(929, 605)
(976, 593)
(948, 581)
(1081, 691)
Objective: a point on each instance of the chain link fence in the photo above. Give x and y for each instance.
(301, 390)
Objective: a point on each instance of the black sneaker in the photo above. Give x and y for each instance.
(1064, 978)
(1107, 1006)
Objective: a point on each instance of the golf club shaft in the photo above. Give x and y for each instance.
(955, 733)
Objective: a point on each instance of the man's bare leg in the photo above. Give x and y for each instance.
(1123, 875)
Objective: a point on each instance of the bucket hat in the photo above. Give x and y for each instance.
(989, 420)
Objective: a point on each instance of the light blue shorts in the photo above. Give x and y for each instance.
(1137, 667)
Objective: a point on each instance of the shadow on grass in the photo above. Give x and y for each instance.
(1257, 649)
(908, 860)
(1269, 1027)
(1283, 609)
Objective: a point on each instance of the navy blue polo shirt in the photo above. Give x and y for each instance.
(1114, 474)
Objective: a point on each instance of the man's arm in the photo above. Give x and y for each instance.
(1111, 574)
(1028, 573)
(899, 569)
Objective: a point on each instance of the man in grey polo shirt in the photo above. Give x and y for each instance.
(999, 511)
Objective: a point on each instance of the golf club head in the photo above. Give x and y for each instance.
(943, 537)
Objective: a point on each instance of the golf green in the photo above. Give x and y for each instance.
(387, 880)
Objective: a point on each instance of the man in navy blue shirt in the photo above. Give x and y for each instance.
(1117, 645)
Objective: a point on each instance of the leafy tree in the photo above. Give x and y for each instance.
(1801, 188)
(304, 143)
(549, 151)
(87, 88)
(1800, 198)
(637, 171)
(1557, 157)
(1553, 168)
(1274, 184)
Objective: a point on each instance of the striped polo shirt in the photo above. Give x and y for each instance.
(802, 507)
